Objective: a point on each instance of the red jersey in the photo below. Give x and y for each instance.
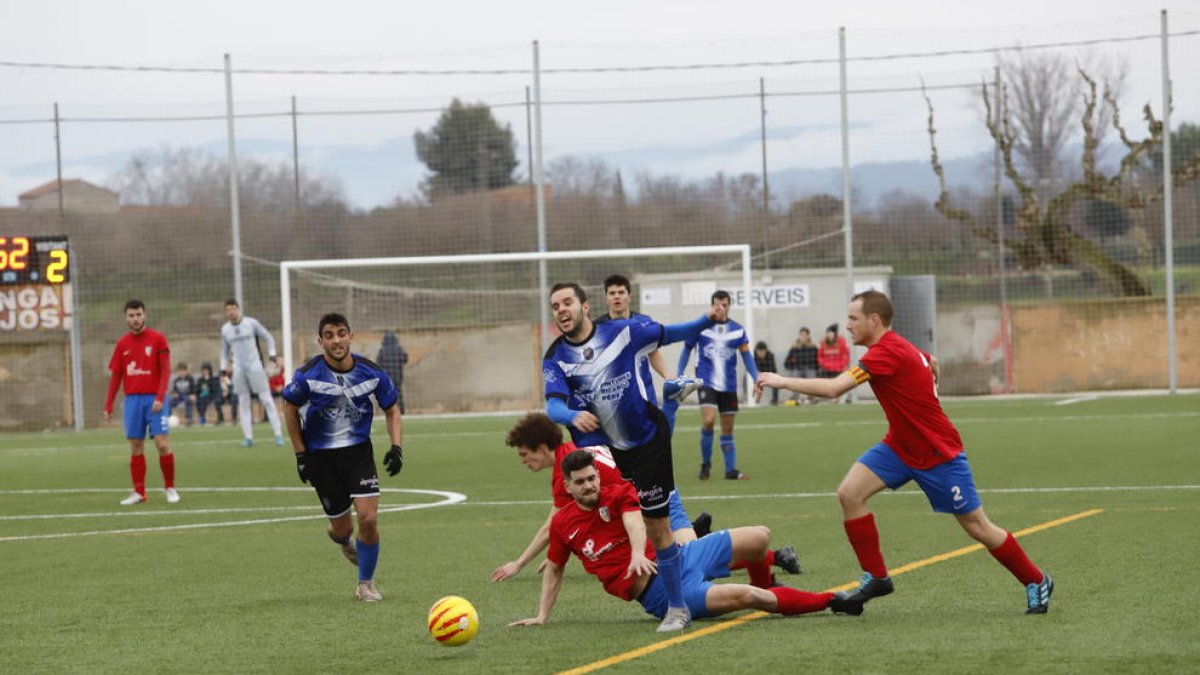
(900, 375)
(605, 465)
(598, 537)
(143, 360)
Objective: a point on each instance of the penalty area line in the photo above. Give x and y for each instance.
(746, 618)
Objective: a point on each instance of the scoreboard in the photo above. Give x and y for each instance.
(35, 283)
(34, 260)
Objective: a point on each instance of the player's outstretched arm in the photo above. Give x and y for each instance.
(538, 544)
(813, 386)
(552, 580)
(677, 332)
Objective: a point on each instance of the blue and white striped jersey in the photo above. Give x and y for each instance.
(335, 407)
(601, 375)
(643, 362)
(717, 354)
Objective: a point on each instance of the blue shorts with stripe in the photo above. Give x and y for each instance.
(139, 416)
(703, 560)
(949, 486)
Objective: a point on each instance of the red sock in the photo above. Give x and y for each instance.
(796, 601)
(742, 564)
(167, 464)
(1012, 556)
(760, 573)
(864, 538)
(137, 471)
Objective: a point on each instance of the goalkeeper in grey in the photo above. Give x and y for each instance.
(241, 359)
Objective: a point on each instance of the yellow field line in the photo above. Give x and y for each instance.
(737, 621)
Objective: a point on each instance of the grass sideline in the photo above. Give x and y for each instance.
(195, 591)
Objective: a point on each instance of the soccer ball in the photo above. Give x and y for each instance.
(453, 621)
(173, 421)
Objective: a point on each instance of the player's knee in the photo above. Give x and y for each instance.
(340, 531)
(367, 522)
(848, 497)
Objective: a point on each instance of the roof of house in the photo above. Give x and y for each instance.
(52, 187)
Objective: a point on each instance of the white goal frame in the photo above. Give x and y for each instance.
(287, 266)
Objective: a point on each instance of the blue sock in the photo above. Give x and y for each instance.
(670, 407)
(669, 569)
(368, 556)
(729, 452)
(706, 436)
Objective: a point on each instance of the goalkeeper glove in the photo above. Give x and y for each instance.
(394, 460)
(680, 388)
(302, 466)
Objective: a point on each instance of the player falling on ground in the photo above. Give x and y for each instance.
(718, 348)
(602, 528)
(594, 386)
(142, 359)
(333, 441)
(921, 444)
(617, 293)
(241, 359)
(539, 444)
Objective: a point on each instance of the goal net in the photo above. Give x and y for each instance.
(474, 328)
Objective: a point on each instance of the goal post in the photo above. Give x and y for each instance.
(394, 293)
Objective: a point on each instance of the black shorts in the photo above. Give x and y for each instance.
(725, 401)
(342, 474)
(648, 467)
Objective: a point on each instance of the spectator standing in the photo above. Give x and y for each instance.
(833, 356)
(801, 360)
(391, 359)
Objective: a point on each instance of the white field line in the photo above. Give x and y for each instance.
(1076, 399)
(449, 499)
(779, 425)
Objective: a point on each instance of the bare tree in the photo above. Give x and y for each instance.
(193, 177)
(1044, 98)
(581, 176)
(1045, 234)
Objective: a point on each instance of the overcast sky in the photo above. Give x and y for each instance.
(372, 154)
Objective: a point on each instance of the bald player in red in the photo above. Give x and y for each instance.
(921, 445)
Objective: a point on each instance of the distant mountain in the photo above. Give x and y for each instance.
(873, 180)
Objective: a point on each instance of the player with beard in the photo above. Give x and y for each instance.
(602, 528)
(333, 441)
(594, 386)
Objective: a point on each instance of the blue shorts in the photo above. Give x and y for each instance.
(704, 559)
(679, 517)
(139, 417)
(949, 486)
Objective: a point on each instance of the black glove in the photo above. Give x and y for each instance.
(302, 466)
(394, 460)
